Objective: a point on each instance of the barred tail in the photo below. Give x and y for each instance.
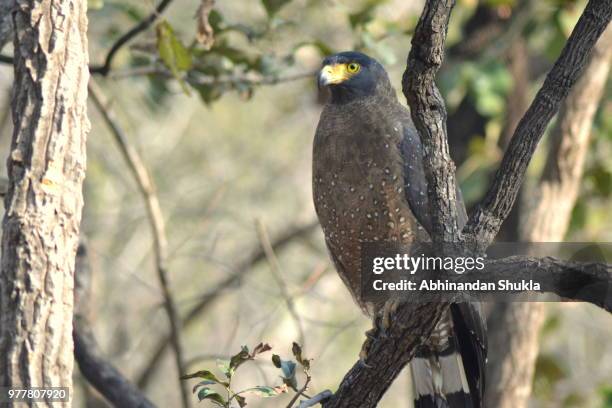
(448, 371)
(439, 379)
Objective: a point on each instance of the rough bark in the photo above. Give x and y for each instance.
(428, 112)
(365, 384)
(514, 328)
(43, 205)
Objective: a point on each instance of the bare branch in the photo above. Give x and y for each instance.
(364, 385)
(277, 274)
(195, 78)
(587, 282)
(495, 207)
(241, 270)
(317, 399)
(301, 391)
(147, 189)
(99, 372)
(104, 69)
(429, 115)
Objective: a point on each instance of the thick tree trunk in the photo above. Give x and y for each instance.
(43, 205)
(514, 328)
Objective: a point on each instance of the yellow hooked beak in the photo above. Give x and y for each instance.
(333, 74)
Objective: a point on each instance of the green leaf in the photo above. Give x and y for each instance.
(172, 52)
(201, 384)
(210, 93)
(273, 6)
(207, 393)
(206, 375)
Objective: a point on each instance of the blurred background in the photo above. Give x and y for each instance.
(223, 117)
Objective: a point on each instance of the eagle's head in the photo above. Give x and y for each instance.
(352, 75)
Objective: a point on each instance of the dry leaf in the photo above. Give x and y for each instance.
(205, 33)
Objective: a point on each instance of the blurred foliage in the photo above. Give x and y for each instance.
(229, 368)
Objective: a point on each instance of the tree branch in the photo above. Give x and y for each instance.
(364, 385)
(429, 115)
(264, 240)
(100, 373)
(495, 207)
(147, 189)
(104, 69)
(586, 282)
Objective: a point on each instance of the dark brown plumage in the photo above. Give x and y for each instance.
(369, 186)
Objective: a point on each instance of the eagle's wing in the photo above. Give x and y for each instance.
(416, 181)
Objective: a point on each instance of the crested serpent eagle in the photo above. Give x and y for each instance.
(369, 185)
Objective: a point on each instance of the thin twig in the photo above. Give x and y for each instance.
(275, 268)
(104, 69)
(195, 78)
(301, 391)
(317, 399)
(147, 189)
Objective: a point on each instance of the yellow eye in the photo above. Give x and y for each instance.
(353, 67)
